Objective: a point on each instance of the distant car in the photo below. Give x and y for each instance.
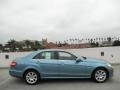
(59, 64)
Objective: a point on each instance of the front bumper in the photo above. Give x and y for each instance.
(111, 72)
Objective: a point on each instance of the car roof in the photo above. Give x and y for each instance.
(53, 50)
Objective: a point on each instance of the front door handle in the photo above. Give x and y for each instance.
(61, 63)
(37, 62)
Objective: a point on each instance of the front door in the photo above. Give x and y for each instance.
(69, 67)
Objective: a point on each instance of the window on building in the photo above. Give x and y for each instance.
(6, 56)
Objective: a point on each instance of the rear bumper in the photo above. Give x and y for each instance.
(15, 73)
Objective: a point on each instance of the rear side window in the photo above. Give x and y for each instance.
(45, 55)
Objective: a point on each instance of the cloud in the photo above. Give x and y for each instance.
(58, 19)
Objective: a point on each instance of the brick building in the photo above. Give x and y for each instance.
(51, 45)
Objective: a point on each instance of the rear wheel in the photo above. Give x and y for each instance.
(100, 75)
(32, 77)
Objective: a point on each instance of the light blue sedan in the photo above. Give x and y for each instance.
(59, 64)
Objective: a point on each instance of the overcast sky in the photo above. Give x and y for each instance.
(58, 19)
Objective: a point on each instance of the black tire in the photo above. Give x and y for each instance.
(100, 75)
(32, 77)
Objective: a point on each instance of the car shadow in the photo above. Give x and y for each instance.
(65, 80)
(52, 81)
(18, 81)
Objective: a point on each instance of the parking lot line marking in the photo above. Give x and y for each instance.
(3, 82)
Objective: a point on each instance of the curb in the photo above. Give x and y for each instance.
(4, 67)
(114, 64)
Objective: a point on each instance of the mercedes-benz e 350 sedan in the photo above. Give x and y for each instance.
(59, 64)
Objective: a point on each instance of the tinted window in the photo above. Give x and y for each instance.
(66, 56)
(45, 55)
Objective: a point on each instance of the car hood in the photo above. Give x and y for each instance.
(94, 60)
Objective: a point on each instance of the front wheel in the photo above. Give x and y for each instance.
(31, 77)
(100, 75)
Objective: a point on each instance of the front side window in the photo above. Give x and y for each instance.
(45, 55)
(66, 56)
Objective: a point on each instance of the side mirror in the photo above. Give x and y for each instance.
(84, 57)
(78, 60)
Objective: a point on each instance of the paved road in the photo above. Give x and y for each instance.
(10, 83)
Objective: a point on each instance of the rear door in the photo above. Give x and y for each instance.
(48, 64)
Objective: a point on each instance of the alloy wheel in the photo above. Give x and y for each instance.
(100, 75)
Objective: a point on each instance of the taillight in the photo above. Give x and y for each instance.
(13, 64)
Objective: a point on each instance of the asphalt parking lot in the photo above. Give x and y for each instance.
(9, 83)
